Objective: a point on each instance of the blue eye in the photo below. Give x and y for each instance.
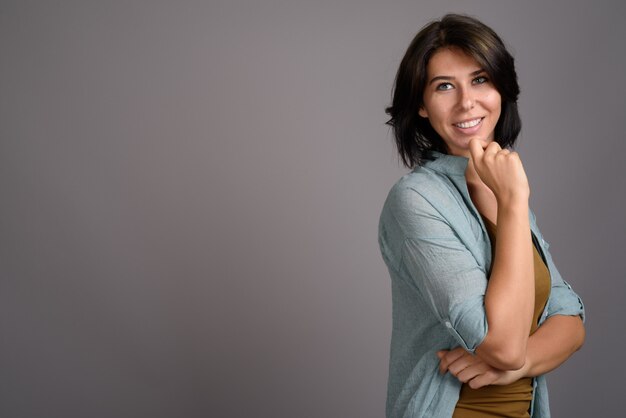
(480, 80)
(444, 86)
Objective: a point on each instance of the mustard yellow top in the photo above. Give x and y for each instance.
(513, 400)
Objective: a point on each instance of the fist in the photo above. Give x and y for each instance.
(500, 169)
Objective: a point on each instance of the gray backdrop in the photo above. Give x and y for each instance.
(190, 191)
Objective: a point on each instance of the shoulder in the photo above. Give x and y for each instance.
(421, 191)
(419, 203)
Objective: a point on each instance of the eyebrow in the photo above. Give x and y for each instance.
(447, 77)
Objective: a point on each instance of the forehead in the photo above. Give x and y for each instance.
(451, 61)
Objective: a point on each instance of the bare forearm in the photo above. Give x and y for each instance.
(509, 299)
(553, 343)
(510, 295)
(549, 347)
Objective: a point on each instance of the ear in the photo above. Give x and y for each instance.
(422, 112)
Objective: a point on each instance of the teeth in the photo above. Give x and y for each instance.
(468, 124)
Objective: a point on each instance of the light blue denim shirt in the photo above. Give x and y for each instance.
(438, 253)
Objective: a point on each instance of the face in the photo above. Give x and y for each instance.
(460, 101)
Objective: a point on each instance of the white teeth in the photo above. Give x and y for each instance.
(468, 124)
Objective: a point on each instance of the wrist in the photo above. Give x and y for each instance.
(513, 200)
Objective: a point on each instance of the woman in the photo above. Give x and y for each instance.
(480, 312)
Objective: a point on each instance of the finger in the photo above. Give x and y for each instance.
(472, 372)
(492, 149)
(452, 356)
(476, 150)
(458, 360)
(448, 358)
(461, 364)
(493, 146)
(482, 380)
(515, 155)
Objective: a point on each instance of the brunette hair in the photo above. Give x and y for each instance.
(413, 134)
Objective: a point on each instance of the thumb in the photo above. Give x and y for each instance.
(476, 150)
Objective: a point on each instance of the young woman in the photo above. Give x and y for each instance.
(480, 311)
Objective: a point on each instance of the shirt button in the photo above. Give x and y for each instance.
(448, 324)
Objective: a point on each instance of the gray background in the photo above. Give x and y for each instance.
(190, 191)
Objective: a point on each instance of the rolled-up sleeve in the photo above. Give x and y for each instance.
(443, 270)
(563, 300)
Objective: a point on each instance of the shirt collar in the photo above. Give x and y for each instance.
(448, 164)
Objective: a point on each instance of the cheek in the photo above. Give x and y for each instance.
(498, 108)
(437, 110)
(495, 101)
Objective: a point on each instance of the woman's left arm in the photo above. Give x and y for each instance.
(553, 343)
(556, 339)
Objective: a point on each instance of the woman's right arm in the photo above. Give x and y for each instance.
(509, 298)
(424, 241)
(551, 345)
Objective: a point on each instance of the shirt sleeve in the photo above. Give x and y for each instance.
(441, 268)
(563, 300)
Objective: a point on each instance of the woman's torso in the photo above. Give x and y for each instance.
(437, 192)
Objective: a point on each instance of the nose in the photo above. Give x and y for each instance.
(466, 99)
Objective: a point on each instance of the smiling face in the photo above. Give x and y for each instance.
(460, 101)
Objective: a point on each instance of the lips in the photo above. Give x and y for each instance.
(468, 123)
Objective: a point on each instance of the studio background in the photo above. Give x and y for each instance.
(190, 192)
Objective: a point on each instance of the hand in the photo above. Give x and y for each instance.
(500, 169)
(475, 372)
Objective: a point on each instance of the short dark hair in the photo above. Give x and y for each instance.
(414, 135)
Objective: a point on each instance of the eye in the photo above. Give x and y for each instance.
(444, 86)
(481, 79)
